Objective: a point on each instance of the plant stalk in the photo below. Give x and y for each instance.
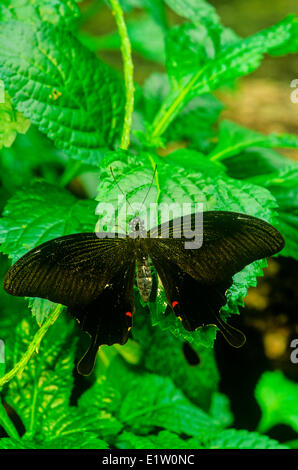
(33, 346)
(128, 72)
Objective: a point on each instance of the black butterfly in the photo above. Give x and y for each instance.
(94, 274)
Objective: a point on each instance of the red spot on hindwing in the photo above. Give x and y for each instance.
(128, 314)
(174, 303)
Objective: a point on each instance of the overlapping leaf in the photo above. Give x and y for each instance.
(61, 87)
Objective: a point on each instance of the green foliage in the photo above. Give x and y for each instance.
(11, 122)
(42, 212)
(277, 397)
(73, 98)
(146, 394)
(59, 12)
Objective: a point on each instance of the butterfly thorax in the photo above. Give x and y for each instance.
(144, 274)
(144, 277)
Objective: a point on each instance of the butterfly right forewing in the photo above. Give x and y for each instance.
(230, 241)
(196, 280)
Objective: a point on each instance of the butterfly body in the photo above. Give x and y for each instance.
(93, 274)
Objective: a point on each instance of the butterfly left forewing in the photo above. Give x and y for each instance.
(92, 276)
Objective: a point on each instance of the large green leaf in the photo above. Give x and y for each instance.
(61, 87)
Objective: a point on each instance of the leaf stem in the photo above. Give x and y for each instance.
(168, 110)
(128, 72)
(33, 346)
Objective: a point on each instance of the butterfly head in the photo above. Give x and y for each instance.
(137, 227)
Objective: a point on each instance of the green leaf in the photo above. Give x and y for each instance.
(233, 139)
(283, 185)
(194, 123)
(229, 439)
(255, 161)
(164, 354)
(229, 61)
(41, 308)
(194, 10)
(41, 392)
(72, 421)
(39, 213)
(84, 440)
(59, 12)
(20, 163)
(277, 398)
(156, 8)
(71, 96)
(240, 439)
(11, 123)
(290, 46)
(150, 401)
(220, 409)
(162, 440)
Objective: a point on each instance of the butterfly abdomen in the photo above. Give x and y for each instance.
(144, 278)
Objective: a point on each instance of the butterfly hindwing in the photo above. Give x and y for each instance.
(108, 318)
(194, 303)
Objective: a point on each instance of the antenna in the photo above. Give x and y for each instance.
(111, 169)
(154, 173)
